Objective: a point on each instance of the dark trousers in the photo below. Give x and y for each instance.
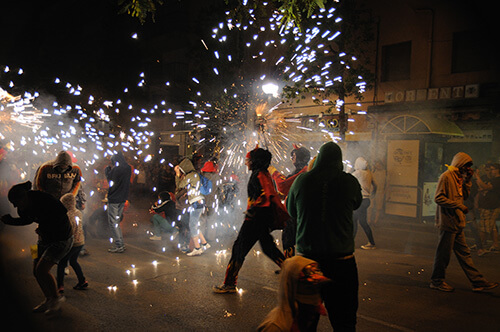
(72, 257)
(253, 229)
(288, 238)
(454, 242)
(340, 295)
(361, 215)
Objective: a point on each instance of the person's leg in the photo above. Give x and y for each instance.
(73, 261)
(45, 279)
(60, 270)
(246, 239)
(363, 220)
(442, 257)
(288, 238)
(194, 227)
(268, 246)
(462, 252)
(115, 211)
(341, 295)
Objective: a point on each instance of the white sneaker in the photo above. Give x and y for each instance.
(206, 246)
(42, 307)
(368, 246)
(54, 306)
(196, 252)
(155, 238)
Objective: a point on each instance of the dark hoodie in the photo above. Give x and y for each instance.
(118, 176)
(59, 176)
(322, 201)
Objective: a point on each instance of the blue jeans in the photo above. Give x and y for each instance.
(194, 221)
(115, 212)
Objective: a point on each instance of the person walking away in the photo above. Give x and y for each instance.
(187, 179)
(452, 189)
(300, 159)
(118, 175)
(55, 237)
(490, 207)
(322, 201)
(59, 176)
(368, 187)
(259, 219)
(164, 215)
(75, 217)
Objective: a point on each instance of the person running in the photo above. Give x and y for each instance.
(55, 237)
(75, 217)
(452, 189)
(259, 219)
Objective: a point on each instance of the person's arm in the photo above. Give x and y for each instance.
(441, 197)
(9, 220)
(290, 201)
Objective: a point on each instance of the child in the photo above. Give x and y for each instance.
(55, 237)
(75, 218)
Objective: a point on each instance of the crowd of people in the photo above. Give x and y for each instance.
(318, 206)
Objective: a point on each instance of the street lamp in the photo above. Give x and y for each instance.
(271, 89)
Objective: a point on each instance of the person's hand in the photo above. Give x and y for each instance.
(465, 209)
(177, 171)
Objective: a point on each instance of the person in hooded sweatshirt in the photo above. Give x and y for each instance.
(55, 237)
(300, 159)
(322, 201)
(259, 219)
(118, 175)
(452, 189)
(187, 182)
(59, 176)
(368, 186)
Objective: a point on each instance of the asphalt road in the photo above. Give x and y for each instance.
(154, 287)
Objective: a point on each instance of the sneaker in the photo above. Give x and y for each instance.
(54, 306)
(368, 246)
(485, 287)
(116, 250)
(42, 307)
(196, 252)
(444, 287)
(155, 238)
(206, 246)
(222, 289)
(481, 252)
(184, 249)
(81, 286)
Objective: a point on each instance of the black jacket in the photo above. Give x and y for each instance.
(118, 177)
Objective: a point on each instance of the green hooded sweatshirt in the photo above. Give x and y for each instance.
(322, 201)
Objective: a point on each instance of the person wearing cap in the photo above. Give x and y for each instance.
(300, 158)
(452, 189)
(259, 220)
(55, 237)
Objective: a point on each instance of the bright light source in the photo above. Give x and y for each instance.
(270, 89)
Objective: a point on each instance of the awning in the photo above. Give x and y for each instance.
(421, 124)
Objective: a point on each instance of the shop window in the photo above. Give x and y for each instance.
(396, 62)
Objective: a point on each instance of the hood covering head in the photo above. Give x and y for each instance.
(329, 160)
(118, 159)
(302, 157)
(209, 167)
(260, 159)
(69, 201)
(360, 164)
(63, 162)
(165, 196)
(186, 166)
(18, 191)
(461, 159)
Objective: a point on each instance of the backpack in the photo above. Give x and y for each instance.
(206, 185)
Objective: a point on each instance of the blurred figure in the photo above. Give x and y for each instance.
(322, 201)
(210, 172)
(300, 159)
(260, 219)
(368, 187)
(299, 298)
(452, 189)
(164, 215)
(75, 217)
(55, 237)
(490, 207)
(118, 175)
(377, 207)
(188, 183)
(59, 176)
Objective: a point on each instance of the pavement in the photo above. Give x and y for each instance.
(152, 286)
